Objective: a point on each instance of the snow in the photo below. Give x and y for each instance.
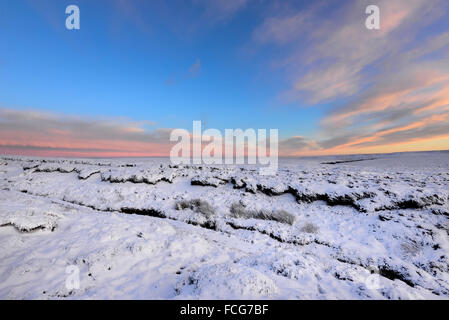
(363, 227)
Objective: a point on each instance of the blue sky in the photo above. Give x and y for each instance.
(231, 64)
(114, 67)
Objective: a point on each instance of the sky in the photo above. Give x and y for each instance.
(136, 70)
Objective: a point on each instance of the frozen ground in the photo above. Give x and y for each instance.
(323, 228)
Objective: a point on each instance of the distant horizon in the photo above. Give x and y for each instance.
(167, 157)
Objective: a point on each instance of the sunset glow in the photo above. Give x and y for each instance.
(135, 70)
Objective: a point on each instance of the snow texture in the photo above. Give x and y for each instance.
(346, 227)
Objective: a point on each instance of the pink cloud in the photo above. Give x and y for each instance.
(33, 132)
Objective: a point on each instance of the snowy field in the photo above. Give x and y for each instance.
(352, 227)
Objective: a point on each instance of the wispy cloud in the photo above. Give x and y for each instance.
(330, 56)
(396, 87)
(220, 10)
(182, 17)
(35, 132)
(193, 71)
(294, 145)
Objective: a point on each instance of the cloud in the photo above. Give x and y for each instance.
(28, 131)
(182, 18)
(285, 29)
(387, 87)
(411, 91)
(293, 145)
(221, 10)
(330, 57)
(193, 71)
(432, 126)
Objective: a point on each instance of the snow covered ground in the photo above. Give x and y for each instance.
(347, 227)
